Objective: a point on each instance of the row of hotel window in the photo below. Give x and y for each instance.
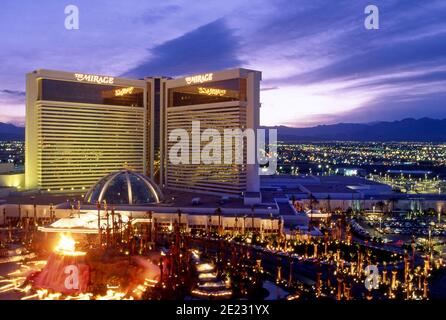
(212, 92)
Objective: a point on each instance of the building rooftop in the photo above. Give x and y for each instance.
(329, 188)
(184, 199)
(347, 180)
(274, 199)
(286, 209)
(41, 198)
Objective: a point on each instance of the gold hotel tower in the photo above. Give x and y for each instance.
(80, 127)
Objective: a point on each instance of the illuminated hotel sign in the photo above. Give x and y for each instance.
(199, 78)
(211, 91)
(123, 91)
(93, 78)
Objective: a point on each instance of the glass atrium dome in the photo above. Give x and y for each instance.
(124, 187)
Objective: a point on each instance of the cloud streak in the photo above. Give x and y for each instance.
(209, 47)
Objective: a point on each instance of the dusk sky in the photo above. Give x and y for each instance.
(320, 65)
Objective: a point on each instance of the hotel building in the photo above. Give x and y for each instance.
(81, 127)
(223, 100)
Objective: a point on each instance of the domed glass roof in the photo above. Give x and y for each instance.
(124, 187)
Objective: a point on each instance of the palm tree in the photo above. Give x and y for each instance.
(236, 224)
(393, 200)
(252, 219)
(20, 213)
(313, 202)
(209, 229)
(150, 214)
(98, 206)
(179, 219)
(328, 203)
(218, 213)
(271, 217)
(380, 206)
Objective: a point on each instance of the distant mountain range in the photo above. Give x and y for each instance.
(424, 129)
(11, 132)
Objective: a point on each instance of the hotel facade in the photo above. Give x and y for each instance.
(224, 100)
(81, 127)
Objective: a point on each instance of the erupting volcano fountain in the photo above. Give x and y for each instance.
(91, 274)
(66, 270)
